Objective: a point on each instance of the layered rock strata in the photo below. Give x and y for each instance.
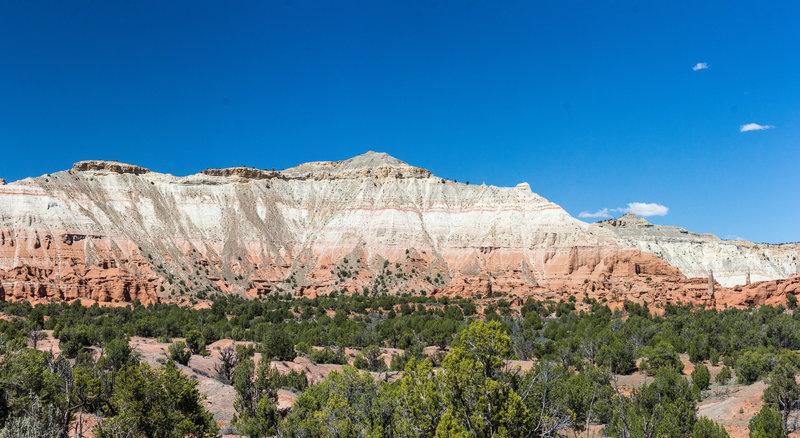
(733, 262)
(110, 232)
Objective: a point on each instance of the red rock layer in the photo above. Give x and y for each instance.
(69, 266)
(112, 232)
(772, 292)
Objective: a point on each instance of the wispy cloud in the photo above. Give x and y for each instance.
(700, 66)
(647, 209)
(600, 213)
(754, 127)
(734, 237)
(643, 209)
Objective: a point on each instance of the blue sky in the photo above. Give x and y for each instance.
(595, 104)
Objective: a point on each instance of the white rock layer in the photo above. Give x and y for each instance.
(696, 255)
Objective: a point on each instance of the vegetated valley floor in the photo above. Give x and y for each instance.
(380, 333)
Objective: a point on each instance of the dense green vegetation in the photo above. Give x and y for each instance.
(467, 390)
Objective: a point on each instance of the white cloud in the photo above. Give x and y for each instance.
(645, 209)
(600, 213)
(700, 66)
(754, 127)
(734, 237)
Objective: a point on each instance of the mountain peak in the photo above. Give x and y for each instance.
(633, 218)
(374, 159)
(628, 220)
(370, 163)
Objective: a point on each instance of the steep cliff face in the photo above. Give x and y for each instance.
(697, 255)
(109, 232)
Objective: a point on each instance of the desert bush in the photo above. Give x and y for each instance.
(724, 375)
(701, 377)
(179, 353)
(327, 355)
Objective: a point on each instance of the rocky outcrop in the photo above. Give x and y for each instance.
(765, 292)
(109, 166)
(242, 172)
(371, 223)
(68, 266)
(734, 262)
(96, 284)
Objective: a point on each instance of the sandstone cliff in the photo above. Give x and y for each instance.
(114, 232)
(733, 262)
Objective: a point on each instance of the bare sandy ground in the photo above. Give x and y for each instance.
(733, 406)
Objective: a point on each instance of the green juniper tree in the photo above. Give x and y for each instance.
(767, 424)
(158, 403)
(256, 397)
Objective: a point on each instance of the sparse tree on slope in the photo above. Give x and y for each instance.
(256, 397)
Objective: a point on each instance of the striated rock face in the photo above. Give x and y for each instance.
(115, 232)
(733, 262)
